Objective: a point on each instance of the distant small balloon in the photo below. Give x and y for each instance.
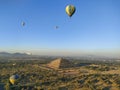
(23, 23)
(56, 27)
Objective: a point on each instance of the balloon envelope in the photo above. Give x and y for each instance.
(56, 27)
(13, 79)
(70, 10)
(23, 23)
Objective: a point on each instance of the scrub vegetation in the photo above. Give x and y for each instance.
(35, 75)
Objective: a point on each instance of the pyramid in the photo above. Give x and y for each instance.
(60, 63)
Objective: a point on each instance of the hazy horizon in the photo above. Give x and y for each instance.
(67, 53)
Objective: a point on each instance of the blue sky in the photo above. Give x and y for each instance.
(94, 28)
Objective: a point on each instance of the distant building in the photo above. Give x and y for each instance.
(60, 63)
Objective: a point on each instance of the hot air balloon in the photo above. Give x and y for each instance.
(23, 23)
(70, 10)
(56, 27)
(13, 79)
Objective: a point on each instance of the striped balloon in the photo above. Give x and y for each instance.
(13, 79)
(70, 10)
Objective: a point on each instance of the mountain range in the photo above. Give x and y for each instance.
(6, 54)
